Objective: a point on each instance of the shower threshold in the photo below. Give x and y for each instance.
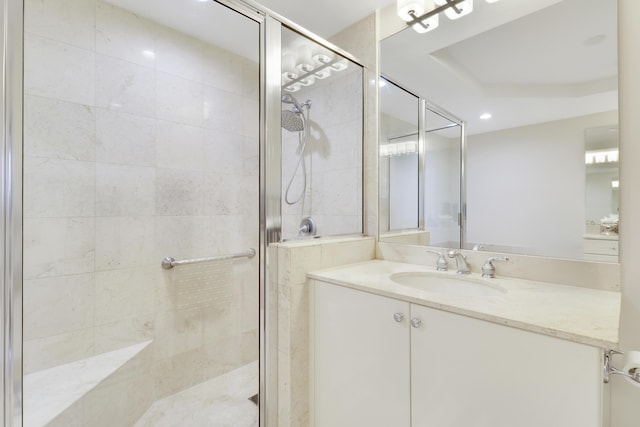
(223, 401)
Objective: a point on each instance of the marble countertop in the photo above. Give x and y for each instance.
(586, 316)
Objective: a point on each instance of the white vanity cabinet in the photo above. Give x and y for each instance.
(469, 372)
(601, 248)
(361, 360)
(436, 368)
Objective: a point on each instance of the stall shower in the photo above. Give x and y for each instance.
(141, 141)
(150, 201)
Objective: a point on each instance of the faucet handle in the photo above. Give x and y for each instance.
(455, 252)
(488, 269)
(441, 264)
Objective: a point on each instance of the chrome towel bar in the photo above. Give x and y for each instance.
(169, 262)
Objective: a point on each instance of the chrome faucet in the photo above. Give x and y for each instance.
(488, 269)
(441, 264)
(461, 261)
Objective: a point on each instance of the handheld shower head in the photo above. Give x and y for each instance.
(287, 98)
(292, 121)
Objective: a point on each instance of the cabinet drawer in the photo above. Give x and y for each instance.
(602, 247)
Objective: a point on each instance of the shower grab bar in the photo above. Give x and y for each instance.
(169, 262)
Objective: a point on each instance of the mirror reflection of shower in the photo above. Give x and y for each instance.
(294, 120)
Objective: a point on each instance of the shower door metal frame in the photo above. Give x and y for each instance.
(462, 162)
(11, 193)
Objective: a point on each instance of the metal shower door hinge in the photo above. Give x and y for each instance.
(608, 369)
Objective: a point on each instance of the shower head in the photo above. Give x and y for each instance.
(292, 121)
(287, 98)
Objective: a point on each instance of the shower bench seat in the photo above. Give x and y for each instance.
(84, 388)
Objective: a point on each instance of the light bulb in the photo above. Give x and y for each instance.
(307, 81)
(407, 8)
(322, 74)
(304, 67)
(339, 65)
(427, 25)
(321, 59)
(465, 7)
(293, 87)
(287, 77)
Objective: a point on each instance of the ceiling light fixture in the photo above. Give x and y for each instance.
(423, 15)
(485, 116)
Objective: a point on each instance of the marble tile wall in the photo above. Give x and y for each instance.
(294, 260)
(133, 152)
(361, 40)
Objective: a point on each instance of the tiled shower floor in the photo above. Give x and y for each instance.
(220, 402)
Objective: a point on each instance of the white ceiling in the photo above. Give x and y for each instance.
(325, 17)
(523, 61)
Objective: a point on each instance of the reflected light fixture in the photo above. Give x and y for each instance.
(423, 15)
(301, 68)
(406, 148)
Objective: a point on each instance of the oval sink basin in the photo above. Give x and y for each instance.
(455, 286)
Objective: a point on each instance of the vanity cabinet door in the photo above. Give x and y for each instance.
(361, 359)
(467, 372)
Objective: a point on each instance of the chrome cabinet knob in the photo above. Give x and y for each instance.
(415, 322)
(398, 317)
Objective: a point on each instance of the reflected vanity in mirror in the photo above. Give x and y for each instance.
(601, 194)
(524, 83)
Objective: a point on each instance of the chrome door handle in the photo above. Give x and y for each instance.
(415, 322)
(398, 317)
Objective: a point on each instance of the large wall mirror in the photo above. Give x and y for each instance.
(534, 84)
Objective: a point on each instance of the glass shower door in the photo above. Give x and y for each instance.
(322, 140)
(141, 141)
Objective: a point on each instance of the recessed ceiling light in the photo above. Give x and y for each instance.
(486, 116)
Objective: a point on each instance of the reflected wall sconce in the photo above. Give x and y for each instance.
(304, 69)
(601, 157)
(423, 15)
(399, 149)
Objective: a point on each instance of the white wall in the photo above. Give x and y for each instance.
(403, 192)
(442, 189)
(526, 186)
(599, 195)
